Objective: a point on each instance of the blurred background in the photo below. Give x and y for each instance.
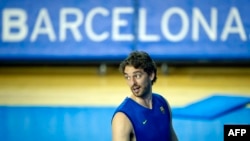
(59, 59)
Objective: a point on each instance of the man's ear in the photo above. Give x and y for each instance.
(152, 76)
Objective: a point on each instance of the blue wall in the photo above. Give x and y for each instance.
(100, 31)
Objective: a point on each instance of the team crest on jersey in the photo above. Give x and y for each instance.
(162, 110)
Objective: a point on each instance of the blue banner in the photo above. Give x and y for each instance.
(99, 30)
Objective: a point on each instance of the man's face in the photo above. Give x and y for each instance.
(138, 81)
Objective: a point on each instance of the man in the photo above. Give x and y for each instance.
(144, 116)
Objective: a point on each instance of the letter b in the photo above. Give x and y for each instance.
(14, 27)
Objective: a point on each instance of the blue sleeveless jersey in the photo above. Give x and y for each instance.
(149, 124)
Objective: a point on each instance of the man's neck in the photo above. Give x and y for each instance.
(145, 101)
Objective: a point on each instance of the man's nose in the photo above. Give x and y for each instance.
(132, 81)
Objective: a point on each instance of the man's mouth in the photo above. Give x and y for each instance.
(136, 89)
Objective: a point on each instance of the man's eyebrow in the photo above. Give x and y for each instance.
(139, 71)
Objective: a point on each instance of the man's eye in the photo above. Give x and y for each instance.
(127, 77)
(138, 76)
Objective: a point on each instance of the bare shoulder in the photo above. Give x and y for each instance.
(121, 120)
(121, 127)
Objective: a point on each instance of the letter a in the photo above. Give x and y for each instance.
(231, 132)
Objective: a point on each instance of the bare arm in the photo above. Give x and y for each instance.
(173, 134)
(121, 127)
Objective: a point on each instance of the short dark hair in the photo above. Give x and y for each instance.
(141, 60)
